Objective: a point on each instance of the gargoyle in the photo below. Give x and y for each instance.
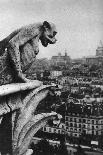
(21, 47)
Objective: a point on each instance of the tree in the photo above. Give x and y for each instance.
(43, 148)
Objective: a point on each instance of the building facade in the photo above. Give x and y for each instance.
(60, 59)
(77, 125)
(98, 58)
(61, 129)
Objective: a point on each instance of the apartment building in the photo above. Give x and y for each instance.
(60, 59)
(78, 124)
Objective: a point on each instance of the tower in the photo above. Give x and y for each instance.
(65, 53)
(99, 50)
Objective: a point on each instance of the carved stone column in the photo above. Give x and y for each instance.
(18, 104)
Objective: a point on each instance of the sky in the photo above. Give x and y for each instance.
(79, 23)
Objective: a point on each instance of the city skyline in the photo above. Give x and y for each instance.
(79, 23)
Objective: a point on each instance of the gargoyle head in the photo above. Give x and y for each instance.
(48, 35)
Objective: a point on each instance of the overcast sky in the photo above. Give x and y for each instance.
(79, 23)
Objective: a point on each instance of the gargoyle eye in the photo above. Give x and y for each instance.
(54, 33)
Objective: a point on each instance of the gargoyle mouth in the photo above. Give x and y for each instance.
(51, 40)
(47, 40)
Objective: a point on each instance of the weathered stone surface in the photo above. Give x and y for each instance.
(30, 129)
(17, 87)
(19, 102)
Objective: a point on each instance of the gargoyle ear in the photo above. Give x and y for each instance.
(46, 24)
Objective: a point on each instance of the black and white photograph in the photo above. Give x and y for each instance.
(51, 77)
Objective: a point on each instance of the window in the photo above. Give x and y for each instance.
(66, 118)
(74, 119)
(59, 131)
(54, 130)
(62, 126)
(79, 130)
(71, 129)
(88, 120)
(84, 121)
(79, 125)
(49, 129)
(70, 119)
(75, 135)
(71, 124)
(96, 132)
(92, 121)
(66, 128)
(75, 125)
(83, 125)
(66, 123)
(84, 132)
(75, 130)
(92, 127)
(80, 120)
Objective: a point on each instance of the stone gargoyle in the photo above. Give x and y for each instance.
(19, 96)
